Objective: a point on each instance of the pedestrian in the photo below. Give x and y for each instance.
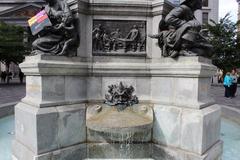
(21, 75)
(227, 84)
(234, 76)
(220, 76)
(9, 76)
(3, 76)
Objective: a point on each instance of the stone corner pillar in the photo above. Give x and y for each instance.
(186, 117)
(52, 115)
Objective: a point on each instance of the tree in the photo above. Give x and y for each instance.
(12, 46)
(225, 43)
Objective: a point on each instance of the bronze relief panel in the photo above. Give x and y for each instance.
(119, 37)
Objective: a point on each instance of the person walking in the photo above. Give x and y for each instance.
(9, 76)
(227, 84)
(21, 76)
(220, 76)
(3, 76)
(234, 77)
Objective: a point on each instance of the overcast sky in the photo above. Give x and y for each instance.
(226, 6)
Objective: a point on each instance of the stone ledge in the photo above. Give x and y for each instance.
(231, 113)
(213, 153)
(195, 104)
(124, 7)
(7, 109)
(188, 67)
(44, 104)
(81, 151)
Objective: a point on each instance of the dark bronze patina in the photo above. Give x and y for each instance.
(113, 37)
(180, 32)
(121, 96)
(60, 38)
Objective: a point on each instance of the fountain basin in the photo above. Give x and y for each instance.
(108, 123)
(229, 134)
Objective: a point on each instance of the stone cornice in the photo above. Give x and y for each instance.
(141, 67)
(18, 8)
(124, 8)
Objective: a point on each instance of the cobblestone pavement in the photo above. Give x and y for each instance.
(15, 92)
(11, 92)
(217, 92)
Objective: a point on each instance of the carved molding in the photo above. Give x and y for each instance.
(147, 8)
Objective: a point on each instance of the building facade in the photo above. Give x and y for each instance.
(17, 12)
(238, 14)
(209, 11)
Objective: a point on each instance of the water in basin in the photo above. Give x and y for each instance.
(230, 134)
(6, 136)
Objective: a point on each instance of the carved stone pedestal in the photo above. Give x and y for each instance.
(51, 119)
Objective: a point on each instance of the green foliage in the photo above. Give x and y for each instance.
(12, 47)
(225, 43)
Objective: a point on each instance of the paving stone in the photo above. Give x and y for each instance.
(11, 93)
(217, 92)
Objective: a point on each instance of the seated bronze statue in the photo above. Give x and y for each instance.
(180, 32)
(57, 39)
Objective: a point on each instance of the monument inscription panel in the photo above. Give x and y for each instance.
(119, 37)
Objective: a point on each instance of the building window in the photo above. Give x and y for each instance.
(205, 18)
(205, 3)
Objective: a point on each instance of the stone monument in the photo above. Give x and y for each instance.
(85, 106)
